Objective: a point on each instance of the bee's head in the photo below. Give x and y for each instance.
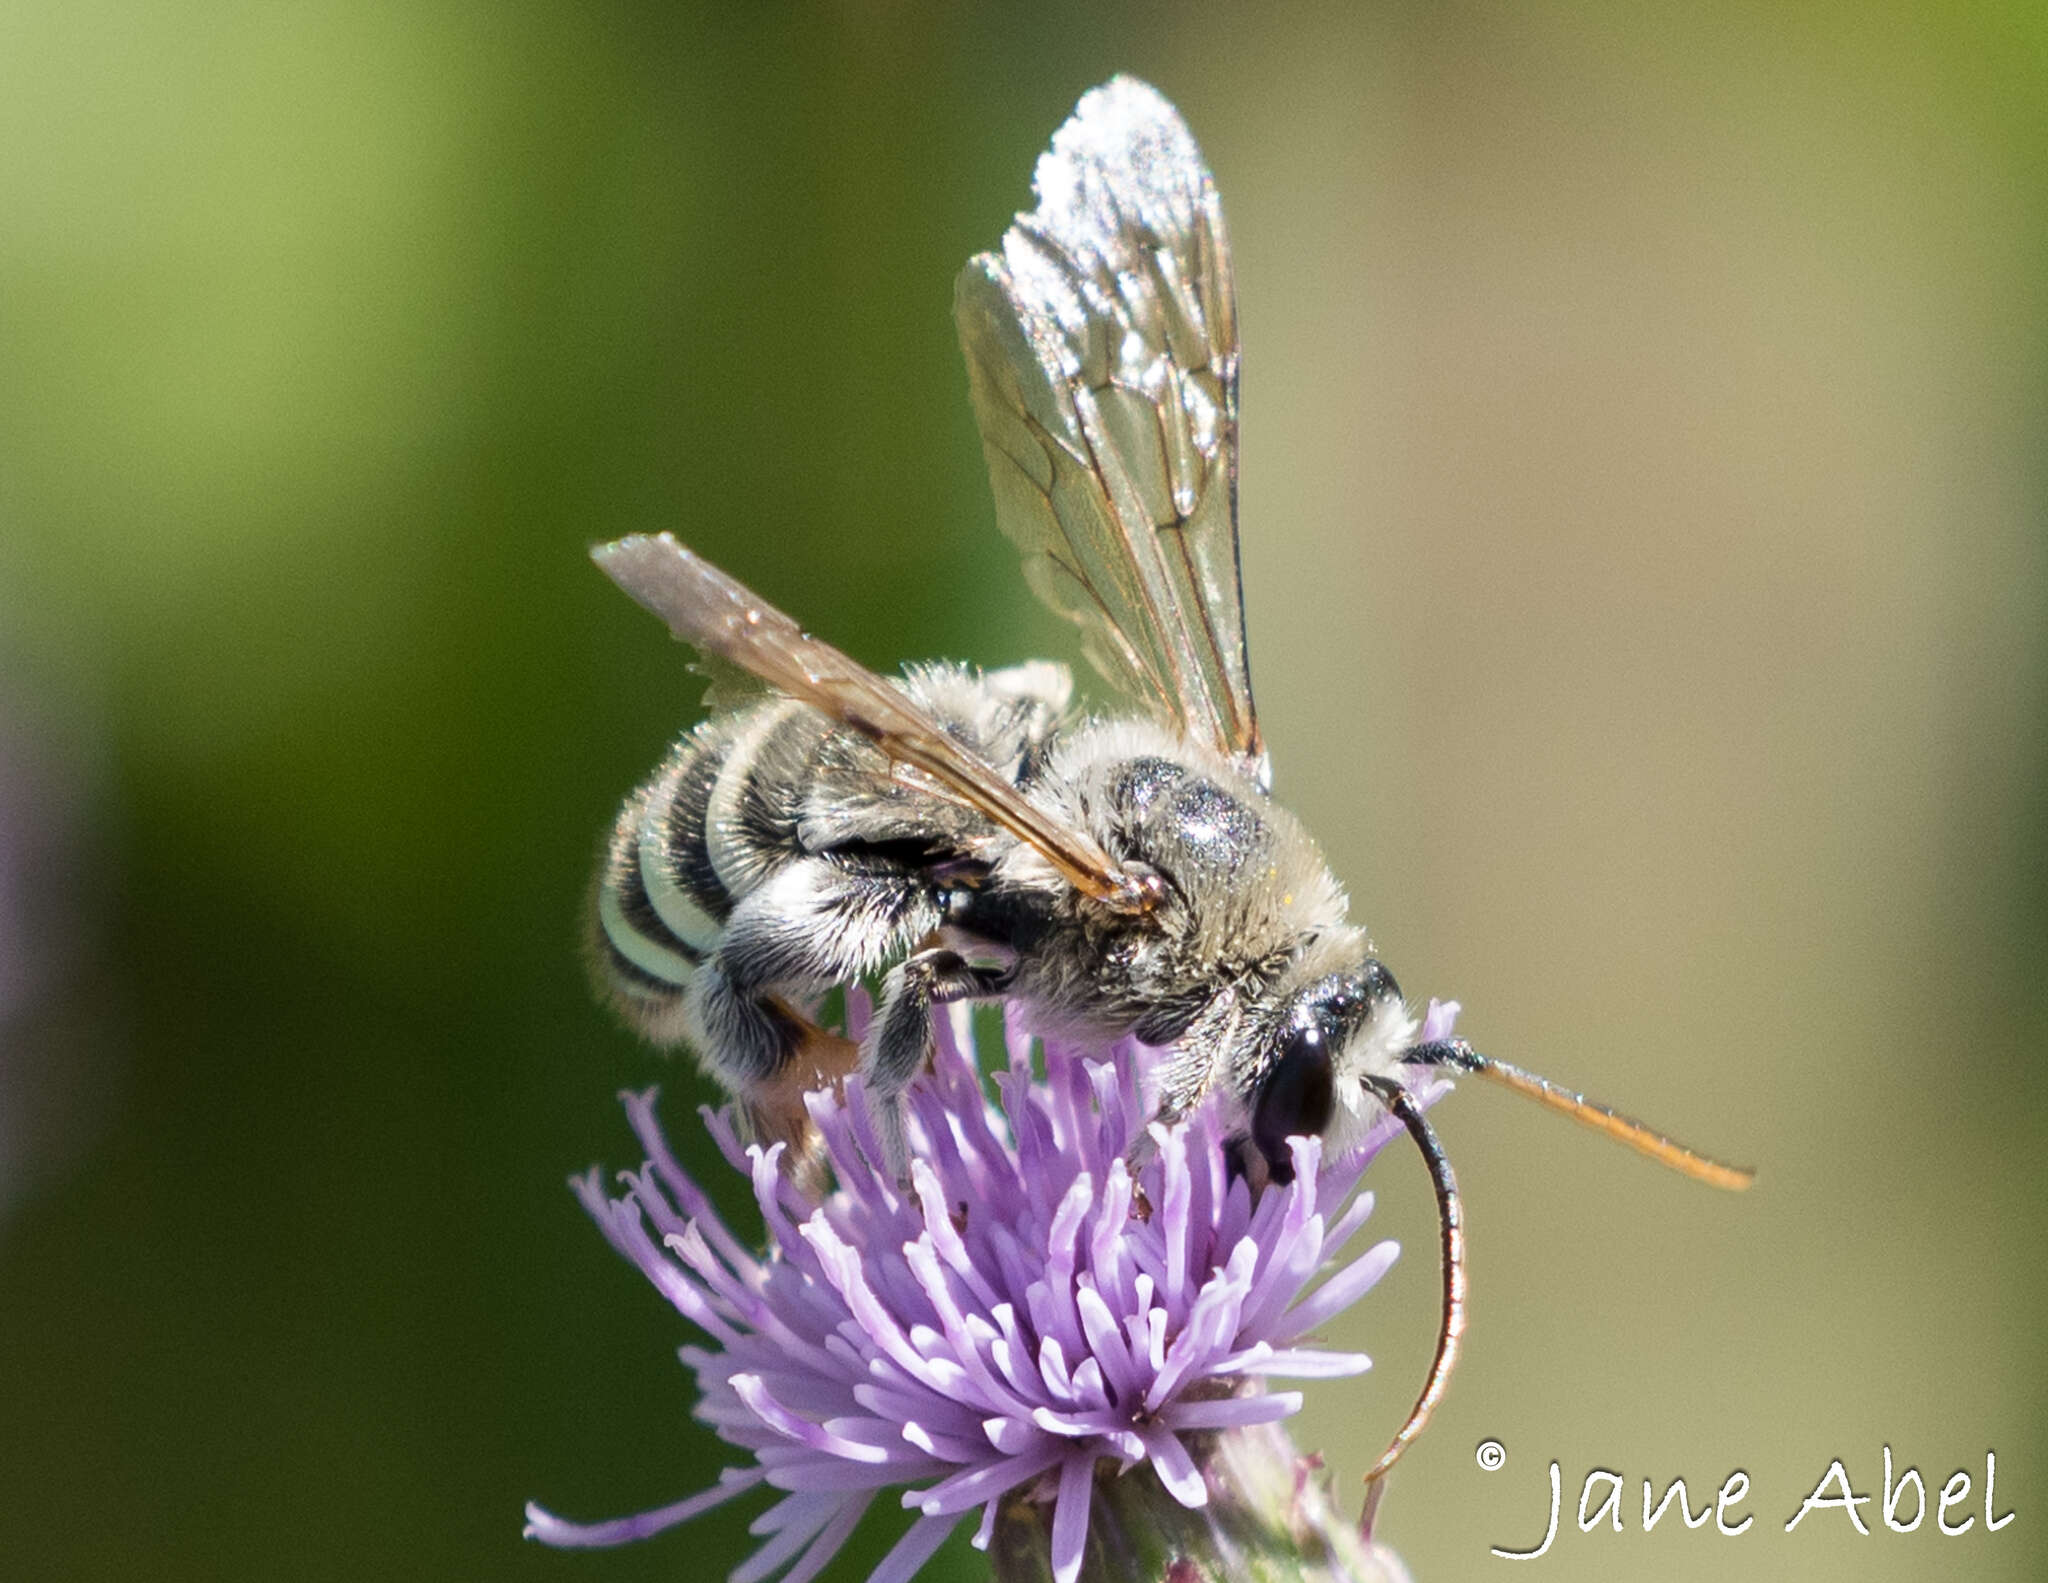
(1328, 1035)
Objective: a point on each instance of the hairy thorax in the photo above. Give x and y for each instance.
(1244, 890)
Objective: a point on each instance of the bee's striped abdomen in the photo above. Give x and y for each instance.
(713, 824)
(660, 906)
(670, 853)
(748, 823)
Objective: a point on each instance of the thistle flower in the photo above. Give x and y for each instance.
(1026, 1317)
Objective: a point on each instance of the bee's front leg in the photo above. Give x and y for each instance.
(899, 1044)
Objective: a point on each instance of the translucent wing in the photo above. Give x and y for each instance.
(729, 623)
(1101, 351)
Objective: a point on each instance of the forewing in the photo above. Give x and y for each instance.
(1102, 357)
(727, 622)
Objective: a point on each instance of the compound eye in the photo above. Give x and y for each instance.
(1296, 1098)
(1378, 983)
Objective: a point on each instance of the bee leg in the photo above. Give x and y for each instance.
(768, 1056)
(1183, 1080)
(744, 1038)
(900, 1045)
(778, 1111)
(814, 923)
(820, 922)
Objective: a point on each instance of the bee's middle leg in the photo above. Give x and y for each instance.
(812, 924)
(900, 1043)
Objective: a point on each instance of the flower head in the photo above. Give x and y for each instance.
(1023, 1311)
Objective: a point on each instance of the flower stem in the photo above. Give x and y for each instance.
(1270, 1518)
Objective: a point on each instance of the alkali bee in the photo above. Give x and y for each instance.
(967, 835)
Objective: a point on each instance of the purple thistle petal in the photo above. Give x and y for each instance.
(945, 1236)
(1098, 1324)
(794, 1468)
(1292, 1249)
(1155, 1339)
(749, 1389)
(1232, 1412)
(1339, 1292)
(628, 1233)
(1011, 1351)
(809, 1510)
(794, 1538)
(1437, 1021)
(946, 1448)
(990, 1389)
(818, 1541)
(1051, 1300)
(1089, 1388)
(831, 1538)
(1294, 1363)
(718, 1123)
(899, 1405)
(1346, 1225)
(1178, 1208)
(1106, 1257)
(1070, 1517)
(735, 1300)
(1009, 1435)
(964, 1491)
(688, 1196)
(562, 1535)
(1176, 1469)
(1075, 1426)
(916, 1547)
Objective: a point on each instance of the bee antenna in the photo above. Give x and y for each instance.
(1451, 1217)
(1458, 1056)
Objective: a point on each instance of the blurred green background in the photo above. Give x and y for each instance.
(1644, 516)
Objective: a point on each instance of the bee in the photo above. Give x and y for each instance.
(967, 834)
